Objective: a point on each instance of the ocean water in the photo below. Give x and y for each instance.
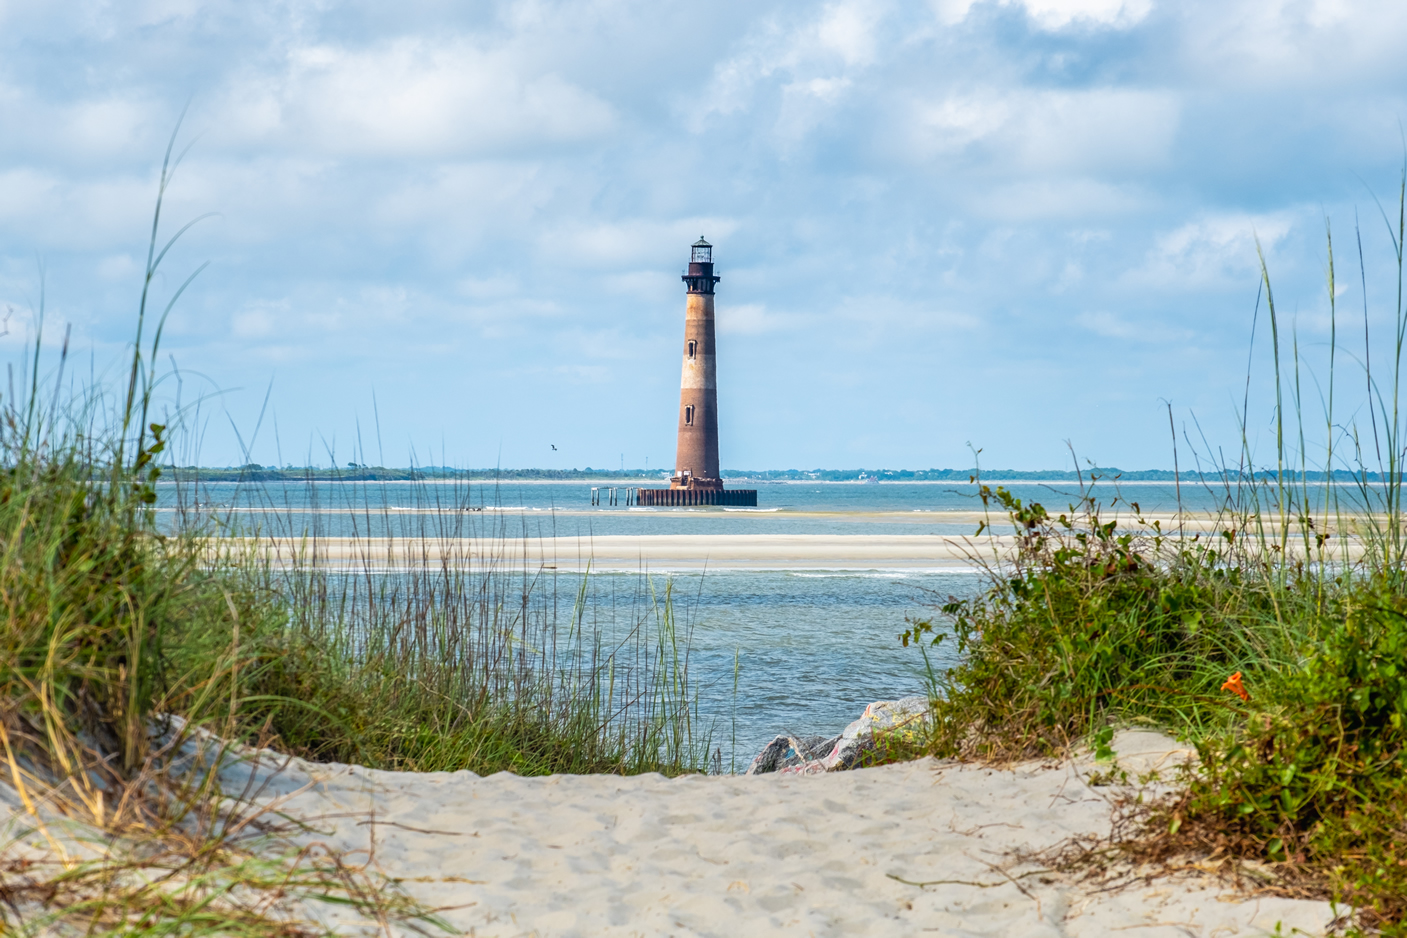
(812, 648)
(779, 651)
(552, 509)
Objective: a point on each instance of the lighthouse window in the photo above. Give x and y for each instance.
(693, 347)
(689, 415)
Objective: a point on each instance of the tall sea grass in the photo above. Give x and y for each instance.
(456, 647)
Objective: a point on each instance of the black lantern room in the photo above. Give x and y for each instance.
(700, 277)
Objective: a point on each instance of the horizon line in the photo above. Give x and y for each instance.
(968, 475)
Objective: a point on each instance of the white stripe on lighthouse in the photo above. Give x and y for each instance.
(699, 372)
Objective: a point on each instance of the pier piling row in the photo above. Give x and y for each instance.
(613, 496)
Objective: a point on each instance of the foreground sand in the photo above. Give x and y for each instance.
(764, 855)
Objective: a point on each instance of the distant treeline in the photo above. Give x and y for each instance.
(362, 473)
(1105, 473)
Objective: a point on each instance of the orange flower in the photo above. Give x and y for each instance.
(1234, 685)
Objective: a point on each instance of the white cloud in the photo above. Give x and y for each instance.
(752, 319)
(815, 56)
(1293, 44)
(24, 193)
(1214, 250)
(847, 28)
(648, 283)
(119, 268)
(489, 288)
(631, 242)
(1087, 130)
(112, 124)
(45, 208)
(1117, 326)
(877, 313)
(1056, 199)
(410, 97)
(1058, 14)
(584, 374)
(950, 125)
(259, 321)
(469, 198)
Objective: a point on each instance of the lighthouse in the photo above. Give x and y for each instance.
(697, 479)
(696, 457)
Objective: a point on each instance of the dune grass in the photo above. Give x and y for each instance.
(471, 661)
(1277, 643)
(137, 653)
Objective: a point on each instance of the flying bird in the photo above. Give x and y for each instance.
(553, 445)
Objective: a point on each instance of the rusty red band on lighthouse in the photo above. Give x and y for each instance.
(697, 478)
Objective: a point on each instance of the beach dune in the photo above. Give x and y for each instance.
(921, 848)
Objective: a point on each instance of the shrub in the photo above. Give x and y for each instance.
(1090, 624)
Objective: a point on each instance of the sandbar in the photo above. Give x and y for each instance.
(664, 553)
(652, 552)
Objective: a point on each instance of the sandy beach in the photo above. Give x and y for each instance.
(668, 552)
(843, 853)
(662, 552)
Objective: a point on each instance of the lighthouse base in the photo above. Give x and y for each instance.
(673, 498)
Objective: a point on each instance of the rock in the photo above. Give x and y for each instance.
(807, 755)
(879, 717)
(789, 752)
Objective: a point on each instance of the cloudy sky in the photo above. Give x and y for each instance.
(1014, 224)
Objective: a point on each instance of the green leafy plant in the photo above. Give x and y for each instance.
(1085, 623)
(1271, 633)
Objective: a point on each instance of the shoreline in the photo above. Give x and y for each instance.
(1194, 521)
(664, 553)
(642, 553)
(731, 482)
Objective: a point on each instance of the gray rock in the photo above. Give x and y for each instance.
(787, 752)
(807, 755)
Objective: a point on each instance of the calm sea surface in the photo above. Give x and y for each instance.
(811, 647)
(565, 510)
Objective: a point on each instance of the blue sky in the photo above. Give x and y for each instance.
(1012, 223)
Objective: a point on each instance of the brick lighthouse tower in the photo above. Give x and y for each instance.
(696, 458)
(697, 479)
